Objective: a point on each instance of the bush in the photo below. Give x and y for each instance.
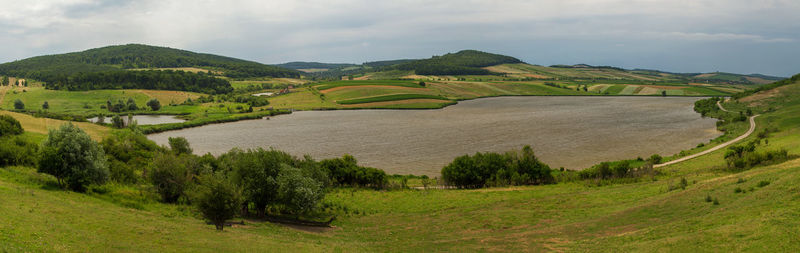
(73, 158)
(154, 104)
(19, 105)
(9, 126)
(45, 105)
(345, 171)
(488, 169)
(299, 193)
(762, 183)
(179, 145)
(16, 150)
(171, 175)
(217, 198)
(655, 159)
(117, 122)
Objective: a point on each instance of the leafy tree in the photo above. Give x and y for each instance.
(345, 171)
(171, 175)
(131, 105)
(299, 193)
(19, 105)
(117, 122)
(655, 159)
(73, 158)
(5, 81)
(663, 93)
(217, 198)
(45, 105)
(9, 126)
(154, 104)
(257, 171)
(179, 145)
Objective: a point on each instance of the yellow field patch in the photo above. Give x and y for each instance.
(43, 125)
(185, 69)
(649, 91)
(599, 87)
(313, 70)
(364, 77)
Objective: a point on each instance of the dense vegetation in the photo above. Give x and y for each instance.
(466, 62)
(136, 56)
(494, 169)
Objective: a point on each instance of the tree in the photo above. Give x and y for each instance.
(170, 175)
(154, 104)
(9, 126)
(299, 193)
(663, 93)
(117, 122)
(131, 105)
(179, 145)
(45, 105)
(70, 155)
(5, 81)
(217, 198)
(19, 105)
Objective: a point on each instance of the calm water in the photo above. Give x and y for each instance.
(573, 132)
(145, 119)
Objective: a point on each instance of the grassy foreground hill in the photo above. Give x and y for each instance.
(717, 209)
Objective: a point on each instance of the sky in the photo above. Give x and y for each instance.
(740, 36)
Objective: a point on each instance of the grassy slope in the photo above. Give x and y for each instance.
(73, 102)
(43, 125)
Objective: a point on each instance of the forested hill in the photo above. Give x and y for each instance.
(136, 56)
(466, 62)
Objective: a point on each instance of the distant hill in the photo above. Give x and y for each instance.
(136, 56)
(465, 62)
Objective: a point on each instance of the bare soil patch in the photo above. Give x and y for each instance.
(364, 77)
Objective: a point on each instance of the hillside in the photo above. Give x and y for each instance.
(133, 56)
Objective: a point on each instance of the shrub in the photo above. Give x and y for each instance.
(154, 104)
(299, 193)
(9, 126)
(73, 158)
(345, 171)
(257, 171)
(737, 190)
(19, 105)
(217, 198)
(117, 122)
(45, 105)
(762, 183)
(179, 145)
(655, 159)
(171, 175)
(17, 150)
(484, 169)
(131, 105)
(708, 198)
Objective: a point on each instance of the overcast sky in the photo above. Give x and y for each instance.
(742, 36)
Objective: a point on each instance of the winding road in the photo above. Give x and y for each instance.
(750, 131)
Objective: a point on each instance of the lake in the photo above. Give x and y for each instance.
(144, 119)
(570, 132)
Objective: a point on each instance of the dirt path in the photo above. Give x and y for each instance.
(750, 131)
(721, 108)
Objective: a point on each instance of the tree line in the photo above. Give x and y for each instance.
(152, 80)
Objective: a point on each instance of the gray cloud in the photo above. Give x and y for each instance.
(683, 36)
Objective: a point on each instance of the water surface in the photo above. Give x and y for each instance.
(573, 132)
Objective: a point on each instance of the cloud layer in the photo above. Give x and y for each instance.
(683, 36)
